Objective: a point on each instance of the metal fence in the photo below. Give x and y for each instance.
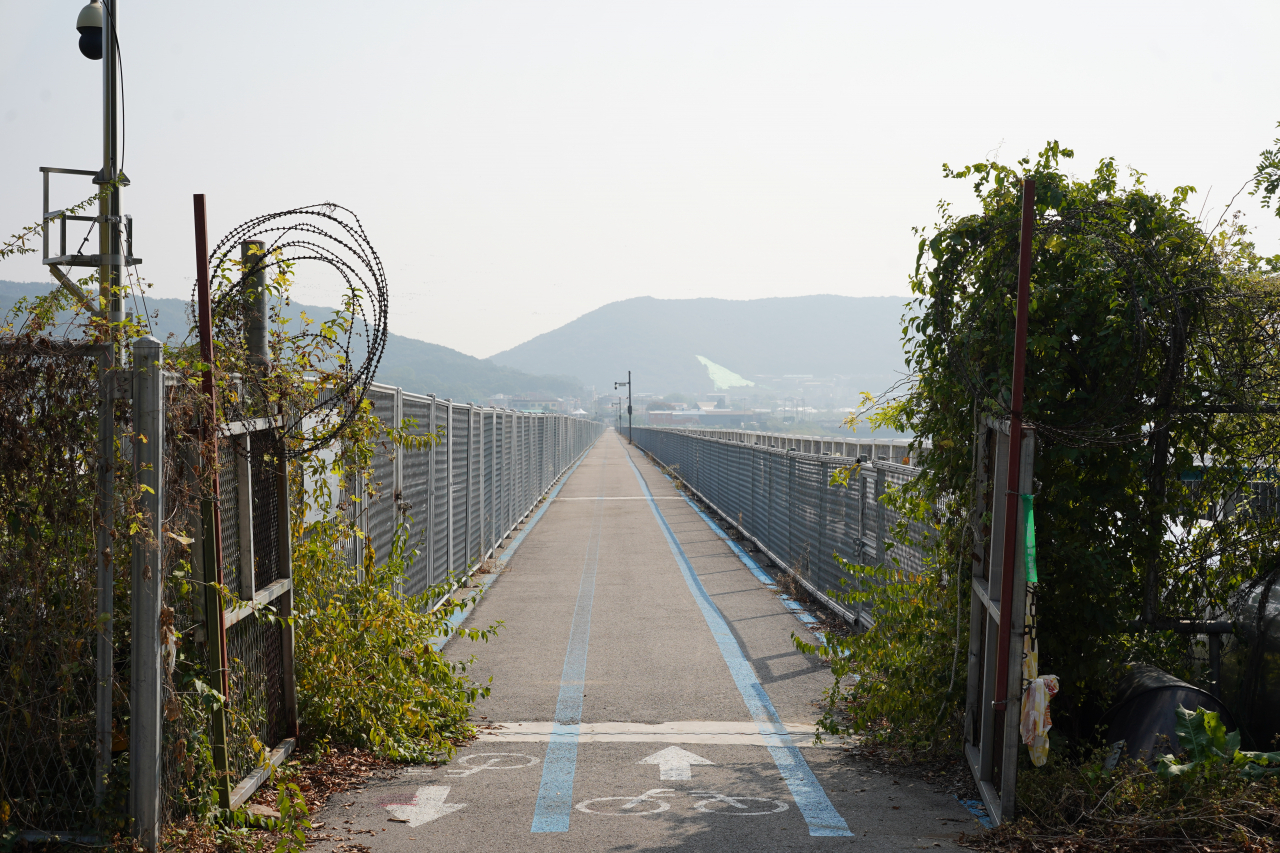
(55, 625)
(85, 755)
(461, 497)
(776, 490)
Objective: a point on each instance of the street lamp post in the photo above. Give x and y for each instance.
(616, 386)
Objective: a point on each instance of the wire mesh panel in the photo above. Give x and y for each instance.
(783, 499)
(260, 714)
(440, 496)
(526, 460)
(908, 550)
(229, 458)
(415, 494)
(264, 479)
(48, 591)
(475, 520)
(487, 453)
(381, 511)
(255, 656)
(460, 442)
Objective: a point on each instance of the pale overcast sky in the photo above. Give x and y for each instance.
(518, 164)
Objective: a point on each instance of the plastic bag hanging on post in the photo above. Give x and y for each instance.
(1035, 722)
(1029, 515)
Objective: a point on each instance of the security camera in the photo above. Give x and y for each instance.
(89, 24)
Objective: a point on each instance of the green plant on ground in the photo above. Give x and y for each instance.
(1087, 803)
(1206, 742)
(367, 672)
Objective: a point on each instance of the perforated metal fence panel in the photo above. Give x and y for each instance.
(459, 497)
(783, 500)
(415, 494)
(381, 509)
(475, 502)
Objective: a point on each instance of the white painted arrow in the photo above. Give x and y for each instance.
(427, 805)
(673, 763)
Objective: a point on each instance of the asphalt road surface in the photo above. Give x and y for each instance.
(646, 697)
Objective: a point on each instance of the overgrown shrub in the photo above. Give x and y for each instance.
(1151, 342)
(366, 670)
(900, 683)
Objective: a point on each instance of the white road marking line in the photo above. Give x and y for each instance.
(673, 764)
(690, 732)
(427, 805)
(623, 498)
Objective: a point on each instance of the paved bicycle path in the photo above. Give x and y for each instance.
(646, 697)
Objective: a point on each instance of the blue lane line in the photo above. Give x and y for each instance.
(812, 800)
(796, 608)
(455, 621)
(555, 791)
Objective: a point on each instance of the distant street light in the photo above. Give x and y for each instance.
(616, 386)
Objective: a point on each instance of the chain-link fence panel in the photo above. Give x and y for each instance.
(51, 779)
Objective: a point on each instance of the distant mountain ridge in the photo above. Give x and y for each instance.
(858, 338)
(416, 366)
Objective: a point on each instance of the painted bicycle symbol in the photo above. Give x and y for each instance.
(727, 804)
(466, 765)
(646, 803)
(710, 802)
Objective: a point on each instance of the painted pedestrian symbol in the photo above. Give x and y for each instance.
(468, 766)
(728, 805)
(673, 763)
(646, 803)
(427, 805)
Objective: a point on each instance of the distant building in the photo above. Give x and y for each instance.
(724, 417)
(672, 418)
(526, 403)
(709, 416)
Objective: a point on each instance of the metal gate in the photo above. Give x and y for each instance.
(991, 728)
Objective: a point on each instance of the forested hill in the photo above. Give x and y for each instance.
(415, 365)
(759, 340)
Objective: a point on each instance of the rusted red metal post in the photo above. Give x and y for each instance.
(211, 516)
(1011, 497)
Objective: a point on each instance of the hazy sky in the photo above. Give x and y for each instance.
(518, 164)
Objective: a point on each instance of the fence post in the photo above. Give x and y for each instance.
(253, 257)
(147, 687)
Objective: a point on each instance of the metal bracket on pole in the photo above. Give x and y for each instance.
(75, 290)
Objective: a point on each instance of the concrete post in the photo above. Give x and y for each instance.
(147, 684)
(253, 254)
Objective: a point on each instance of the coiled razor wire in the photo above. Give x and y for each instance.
(329, 234)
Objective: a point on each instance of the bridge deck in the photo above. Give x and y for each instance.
(646, 696)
